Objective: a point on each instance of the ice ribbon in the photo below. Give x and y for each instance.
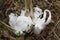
(22, 23)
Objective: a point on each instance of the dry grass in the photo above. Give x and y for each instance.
(51, 32)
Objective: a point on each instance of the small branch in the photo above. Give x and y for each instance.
(4, 23)
(56, 35)
(54, 28)
(7, 26)
(42, 37)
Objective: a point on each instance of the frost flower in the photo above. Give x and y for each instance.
(22, 23)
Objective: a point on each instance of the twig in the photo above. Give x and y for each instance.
(54, 27)
(42, 37)
(7, 26)
(56, 35)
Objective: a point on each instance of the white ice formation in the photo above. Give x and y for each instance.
(22, 23)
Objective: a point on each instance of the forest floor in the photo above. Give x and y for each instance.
(52, 30)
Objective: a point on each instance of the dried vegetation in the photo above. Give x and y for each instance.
(51, 32)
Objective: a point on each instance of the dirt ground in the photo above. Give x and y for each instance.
(52, 30)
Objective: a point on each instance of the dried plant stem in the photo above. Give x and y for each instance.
(31, 10)
(4, 24)
(26, 7)
(56, 35)
(7, 26)
(42, 37)
(54, 27)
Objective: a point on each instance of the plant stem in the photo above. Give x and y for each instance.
(31, 10)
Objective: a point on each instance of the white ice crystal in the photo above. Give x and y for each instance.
(12, 19)
(22, 23)
(41, 23)
(38, 12)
